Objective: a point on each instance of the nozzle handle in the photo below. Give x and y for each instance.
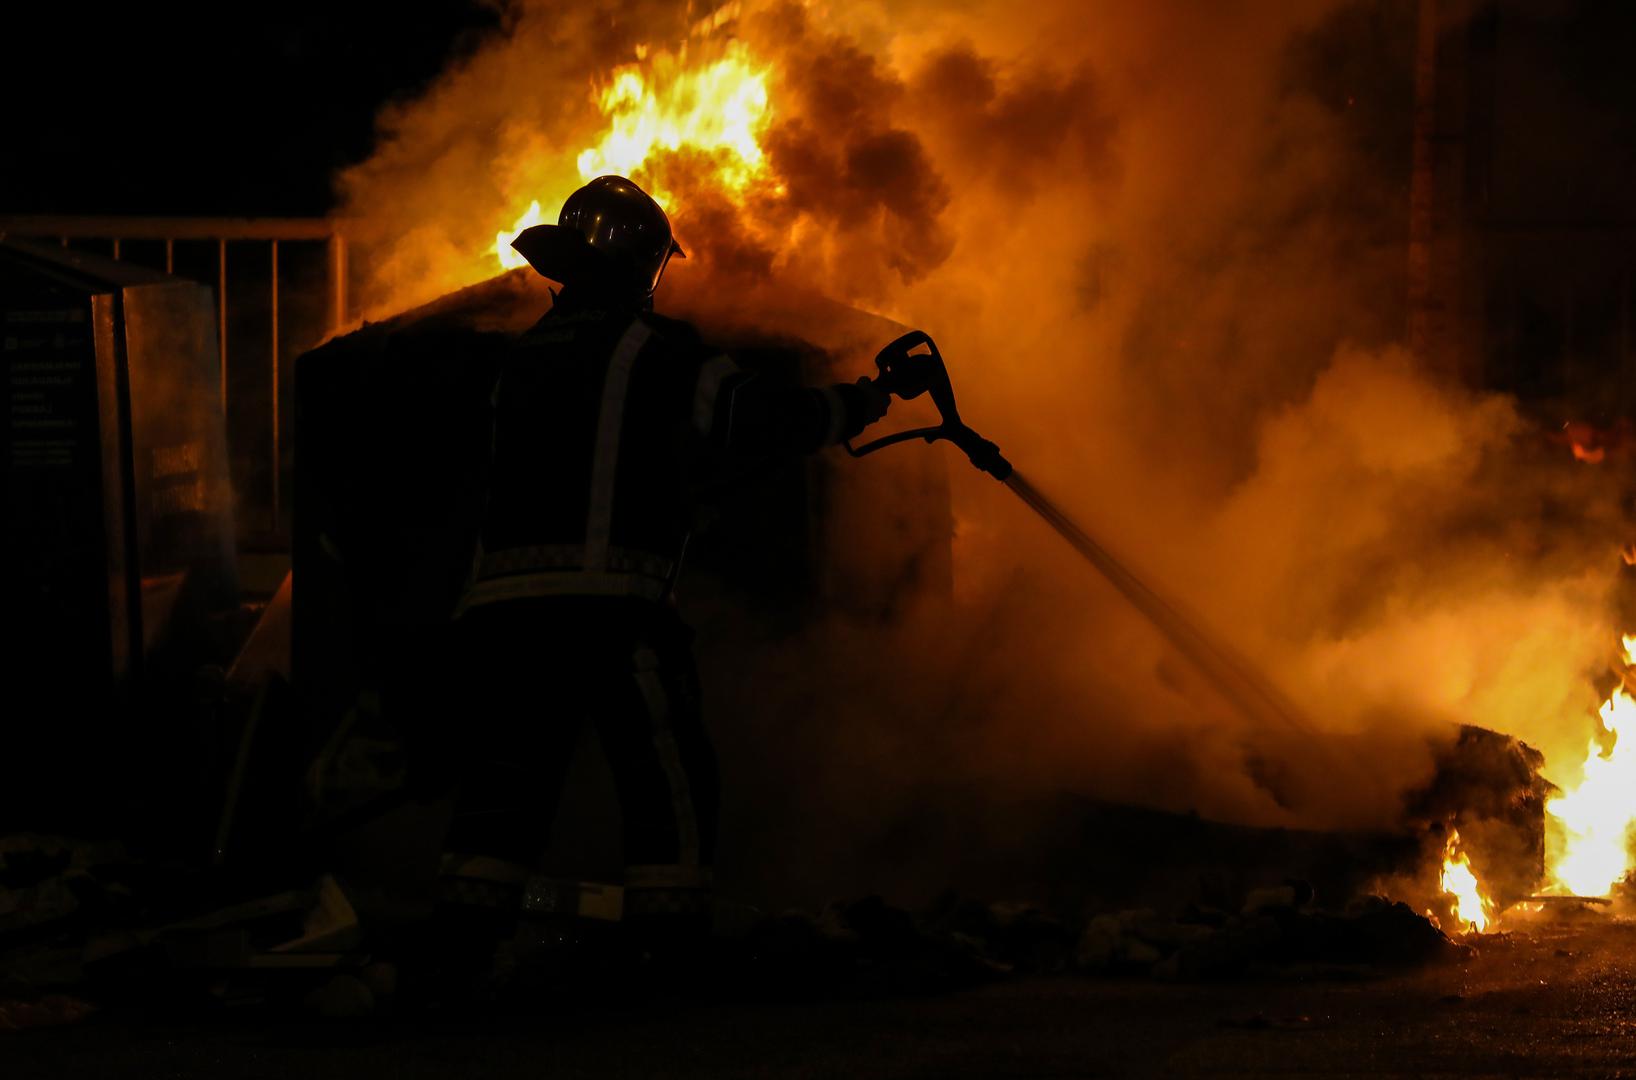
(909, 374)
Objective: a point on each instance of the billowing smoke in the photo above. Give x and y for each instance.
(1162, 246)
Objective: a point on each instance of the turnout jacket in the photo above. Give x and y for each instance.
(598, 418)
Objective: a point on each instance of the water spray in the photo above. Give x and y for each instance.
(909, 373)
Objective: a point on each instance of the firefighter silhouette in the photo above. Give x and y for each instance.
(568, 612)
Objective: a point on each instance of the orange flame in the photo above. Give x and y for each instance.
(1589, 850)
(717, 109)
(1459, 882)
(713, 110)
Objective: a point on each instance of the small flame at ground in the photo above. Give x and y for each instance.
(713, 110)
(1459, 882)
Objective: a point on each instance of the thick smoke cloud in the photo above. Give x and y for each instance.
(1162, 246)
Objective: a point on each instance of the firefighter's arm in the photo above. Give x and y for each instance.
(743, 413)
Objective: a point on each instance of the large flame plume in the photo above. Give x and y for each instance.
(716, 109)
(712, 111)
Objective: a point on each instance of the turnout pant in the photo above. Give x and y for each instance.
(530, 675)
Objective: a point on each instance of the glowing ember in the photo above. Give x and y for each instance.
(1459, 882)
(1590, 454)
(714, 111)
(1595, 818)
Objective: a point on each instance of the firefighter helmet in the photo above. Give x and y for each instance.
(623, 223)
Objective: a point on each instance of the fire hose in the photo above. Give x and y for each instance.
(912, 373)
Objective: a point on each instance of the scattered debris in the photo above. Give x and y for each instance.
(582, 899)
(48, 882)
(331, 925)
(869, 944)
(1373, 934)
(68, 924)
(50, 1011)
(343, 997)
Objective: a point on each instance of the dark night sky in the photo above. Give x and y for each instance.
(250, 109)
(185, 108)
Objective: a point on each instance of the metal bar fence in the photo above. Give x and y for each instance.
(271, 231)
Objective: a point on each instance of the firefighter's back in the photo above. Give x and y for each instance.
(591, 442)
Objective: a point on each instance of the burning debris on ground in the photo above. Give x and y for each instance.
(1142, 502)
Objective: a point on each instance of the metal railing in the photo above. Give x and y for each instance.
(271, 231)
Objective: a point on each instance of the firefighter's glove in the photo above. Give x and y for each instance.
(874, 400)
(910, 376)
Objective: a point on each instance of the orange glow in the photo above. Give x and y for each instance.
(713, 110)
(1459, 882)
(1590, 454)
